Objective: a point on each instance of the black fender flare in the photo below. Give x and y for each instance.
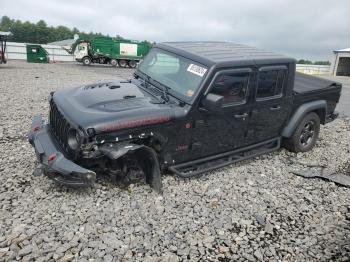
(301, 112)
(146, 156)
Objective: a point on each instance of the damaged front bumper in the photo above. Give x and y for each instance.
(52, 161)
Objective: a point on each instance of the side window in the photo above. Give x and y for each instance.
(233, 87)
(270, 83)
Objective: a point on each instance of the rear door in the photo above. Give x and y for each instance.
(271, 105)
(224, 131)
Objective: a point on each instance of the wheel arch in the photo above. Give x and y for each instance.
(148, 158)
(319, 107)
(145, 155)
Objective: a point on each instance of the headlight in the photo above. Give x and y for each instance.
(74, 139)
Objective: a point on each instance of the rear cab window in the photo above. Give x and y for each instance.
(271, 81)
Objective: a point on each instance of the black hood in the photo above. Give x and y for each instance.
(113, 105)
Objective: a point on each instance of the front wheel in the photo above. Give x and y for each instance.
(305, 135)
(86, 61)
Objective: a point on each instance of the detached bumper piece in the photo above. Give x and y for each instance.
(332, 117)
(53, 162)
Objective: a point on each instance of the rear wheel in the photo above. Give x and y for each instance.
(114, 62)
(122, 63)
(132, 63)
(86, 61)
(305, 135)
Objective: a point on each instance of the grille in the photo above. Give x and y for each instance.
(59, 126)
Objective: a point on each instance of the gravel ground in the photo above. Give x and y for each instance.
(252, 211)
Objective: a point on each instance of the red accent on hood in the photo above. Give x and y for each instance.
(136, 123)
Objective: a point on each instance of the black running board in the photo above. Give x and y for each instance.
(207, 164)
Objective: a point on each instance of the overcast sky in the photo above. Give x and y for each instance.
(308, 29)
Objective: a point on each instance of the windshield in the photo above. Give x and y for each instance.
(182, 76)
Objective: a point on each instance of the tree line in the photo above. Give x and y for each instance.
(40, 32)
(308, 62)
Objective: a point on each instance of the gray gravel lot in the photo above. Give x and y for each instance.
(252, 211)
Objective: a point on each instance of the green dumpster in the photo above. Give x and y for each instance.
(37, 54)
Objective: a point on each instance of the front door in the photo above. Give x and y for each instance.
(218, 132)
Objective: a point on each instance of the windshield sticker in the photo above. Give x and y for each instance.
(197, 70)
(189, 92)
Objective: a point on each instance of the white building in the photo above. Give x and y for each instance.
(341, 62)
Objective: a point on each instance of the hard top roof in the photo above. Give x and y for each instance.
(224, 53)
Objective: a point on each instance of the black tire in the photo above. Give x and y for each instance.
(132, 63)
(113, 62)
(86, 61)
(122, 63)
(305, 135)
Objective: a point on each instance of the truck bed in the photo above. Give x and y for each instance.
(310, 88)
(307, 83)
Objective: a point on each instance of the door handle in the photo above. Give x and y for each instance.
(244, 115)
(275, 108)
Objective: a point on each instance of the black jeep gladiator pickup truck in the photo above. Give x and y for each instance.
(190, 107)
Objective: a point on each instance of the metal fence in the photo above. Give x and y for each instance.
(314, 69)
(56, 53)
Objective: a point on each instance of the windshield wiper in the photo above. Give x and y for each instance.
(147, 81)
(144, 77)
(165, 93)
(165, 90)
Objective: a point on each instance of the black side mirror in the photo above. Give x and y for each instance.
(213, 102)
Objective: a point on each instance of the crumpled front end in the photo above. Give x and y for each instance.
(55, 165)
(68, 148)
(52, 161)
